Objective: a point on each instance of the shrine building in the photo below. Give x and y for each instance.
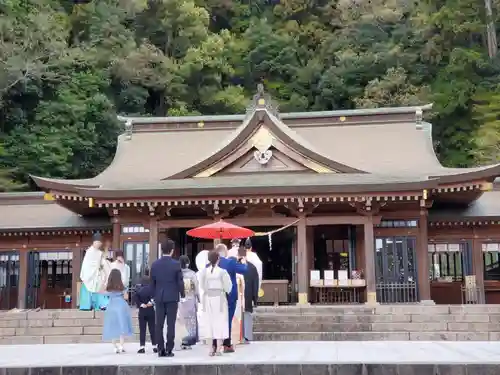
(354, 207)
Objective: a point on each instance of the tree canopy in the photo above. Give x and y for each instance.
(67, 70)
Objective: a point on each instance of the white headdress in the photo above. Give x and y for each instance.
(201, 259)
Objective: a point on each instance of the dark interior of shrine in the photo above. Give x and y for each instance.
(333, 248)
(275, 252)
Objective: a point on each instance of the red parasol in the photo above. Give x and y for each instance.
(220, 230)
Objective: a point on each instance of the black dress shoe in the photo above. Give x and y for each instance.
(155, 350)
(141, 351)
(162, 353)
(170, 354)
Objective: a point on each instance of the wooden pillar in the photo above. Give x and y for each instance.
(478, 267)
(310, 246)
(23, 279)
(116, 233)
(360, 248)
(424, 283)
(153, 240)
(369, 241)
(295, 277)
(303, 262)
(76, 264)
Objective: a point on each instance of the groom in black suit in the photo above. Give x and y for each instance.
(167, 289)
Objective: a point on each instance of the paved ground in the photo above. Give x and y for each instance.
(375, 352)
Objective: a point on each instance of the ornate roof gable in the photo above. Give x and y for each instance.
(263, 143)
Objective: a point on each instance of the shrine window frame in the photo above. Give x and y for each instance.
(446, 261)
(491, 256)
(397, 224)
(59, 268)
(134, 229)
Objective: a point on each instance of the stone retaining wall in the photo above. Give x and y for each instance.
(52, 327)
(405, 322)
(383, 322)
(263, 369)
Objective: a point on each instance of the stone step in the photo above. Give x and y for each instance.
(378, 318)
(376, 336)
(404, 322)
(59, 339)
(380, 309)
(376, 327)
(312, 327)
(281, 336)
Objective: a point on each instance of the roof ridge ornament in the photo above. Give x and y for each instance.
(262, 100)
(419, 114)
(129, 126)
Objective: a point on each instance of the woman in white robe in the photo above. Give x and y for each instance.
(216, 283)
(201, 262)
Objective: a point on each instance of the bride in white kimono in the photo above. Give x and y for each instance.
(201, 261)
(216, 283)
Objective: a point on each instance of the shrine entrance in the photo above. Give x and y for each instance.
(137, 257)
(334, 263)
(278, 255)
(396, 270)
(50, 275)
(9, 280)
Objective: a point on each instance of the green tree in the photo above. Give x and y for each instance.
(66, 70)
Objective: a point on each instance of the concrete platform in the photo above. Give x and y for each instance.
(263, 358)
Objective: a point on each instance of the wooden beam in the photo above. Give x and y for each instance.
(272, 221)
(244, 221)
(339, 219)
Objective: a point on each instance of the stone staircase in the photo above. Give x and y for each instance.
(290, 323)
(382, 322)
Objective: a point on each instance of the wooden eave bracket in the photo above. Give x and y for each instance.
(368, 207)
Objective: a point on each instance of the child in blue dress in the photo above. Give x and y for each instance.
(117, 318)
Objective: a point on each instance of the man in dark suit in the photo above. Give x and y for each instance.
(167, 289)
(251, 295)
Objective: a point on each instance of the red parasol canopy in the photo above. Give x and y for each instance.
(220, 230)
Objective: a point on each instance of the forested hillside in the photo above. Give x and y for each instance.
(66, 70)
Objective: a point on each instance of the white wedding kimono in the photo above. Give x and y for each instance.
(124, 270)
(94, 274)
(233, 252)
(253, 258)
(214, 309)
(201, 262)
